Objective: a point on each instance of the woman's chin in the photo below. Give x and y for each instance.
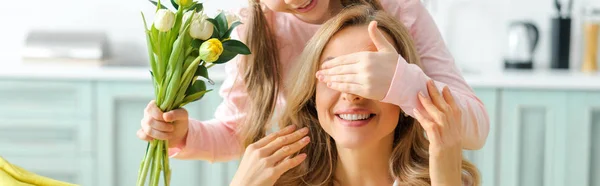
(351, 142)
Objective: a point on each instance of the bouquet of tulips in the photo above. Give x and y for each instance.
(182, 45)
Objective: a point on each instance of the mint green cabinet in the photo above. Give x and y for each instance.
(583, 139)
(45, 127)
(533, 138)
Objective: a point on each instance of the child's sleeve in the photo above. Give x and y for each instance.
(438, 64)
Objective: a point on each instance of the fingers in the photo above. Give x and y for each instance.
(351, 88)
(430, 108)
(351, 78)
(281, 141)
(338, 70)
(290, 163)
(175, 115)
(153, 111)
(436, 98)
(161, 126)
(429, 126)
(288, 150)
(450, 99)
(154, 133)
(379, 39)
(269, 138)
(140, 134)
(340, 60)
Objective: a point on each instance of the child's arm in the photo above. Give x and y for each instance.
(216, 139)
(438, 65)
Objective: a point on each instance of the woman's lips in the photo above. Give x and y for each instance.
(354, 117)
(311, 4)
(354, 123)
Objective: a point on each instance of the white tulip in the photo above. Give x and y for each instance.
(200, 28)
(164, 20)
(229, 16)
(186, 16)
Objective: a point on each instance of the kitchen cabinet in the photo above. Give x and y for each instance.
(45, 127)
(533, 137)
(583, 139)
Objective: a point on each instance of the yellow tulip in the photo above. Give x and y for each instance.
(184, 3)
(210, 50)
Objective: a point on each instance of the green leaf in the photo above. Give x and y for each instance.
(225, 57)
(198, 86)
(203, 72)
(156, 4)
(175, 5)
(236, 47)
(198, 7)
(193, 97)
(196, 43)
(216, 26)
(222, 20)
(233, 25)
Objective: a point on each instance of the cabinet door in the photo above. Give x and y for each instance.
(485, 158)
(120, 109)
(583, 149)
(532, 138)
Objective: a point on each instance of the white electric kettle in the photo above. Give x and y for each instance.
(522, 42)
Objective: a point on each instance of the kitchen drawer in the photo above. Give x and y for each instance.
(45, 99)
(78, 171)
(46, 138)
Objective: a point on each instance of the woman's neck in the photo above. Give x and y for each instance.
(367, 166)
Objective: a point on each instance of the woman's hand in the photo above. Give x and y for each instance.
(172, 126)
(366, 74)
(267, 159)
(442, 123)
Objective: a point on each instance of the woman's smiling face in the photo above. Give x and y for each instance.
(351, 120)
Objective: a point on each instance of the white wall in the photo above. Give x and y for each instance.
(475, 29)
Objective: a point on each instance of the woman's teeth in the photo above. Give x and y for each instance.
(354, 117)
(306, 4)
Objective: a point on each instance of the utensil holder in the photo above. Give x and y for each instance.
(561, 43)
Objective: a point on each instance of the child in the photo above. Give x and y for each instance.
(276, 32)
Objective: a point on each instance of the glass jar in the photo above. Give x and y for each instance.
(591, 32)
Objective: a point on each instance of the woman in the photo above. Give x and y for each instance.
(347, 139)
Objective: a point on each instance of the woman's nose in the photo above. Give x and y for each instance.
(351, 97)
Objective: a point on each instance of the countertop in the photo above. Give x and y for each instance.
(536, 79)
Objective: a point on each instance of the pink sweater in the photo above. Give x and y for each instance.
(215, 140)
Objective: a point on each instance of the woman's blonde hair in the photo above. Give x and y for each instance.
(409, 163)
(261, 71)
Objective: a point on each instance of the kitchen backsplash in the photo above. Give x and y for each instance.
(475, 30)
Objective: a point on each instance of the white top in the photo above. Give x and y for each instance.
(538, 79)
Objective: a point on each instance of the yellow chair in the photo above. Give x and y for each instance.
(12, 175)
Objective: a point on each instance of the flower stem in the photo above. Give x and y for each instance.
(166, 168)
(146, 163)
(211, 65)
(156, 164)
